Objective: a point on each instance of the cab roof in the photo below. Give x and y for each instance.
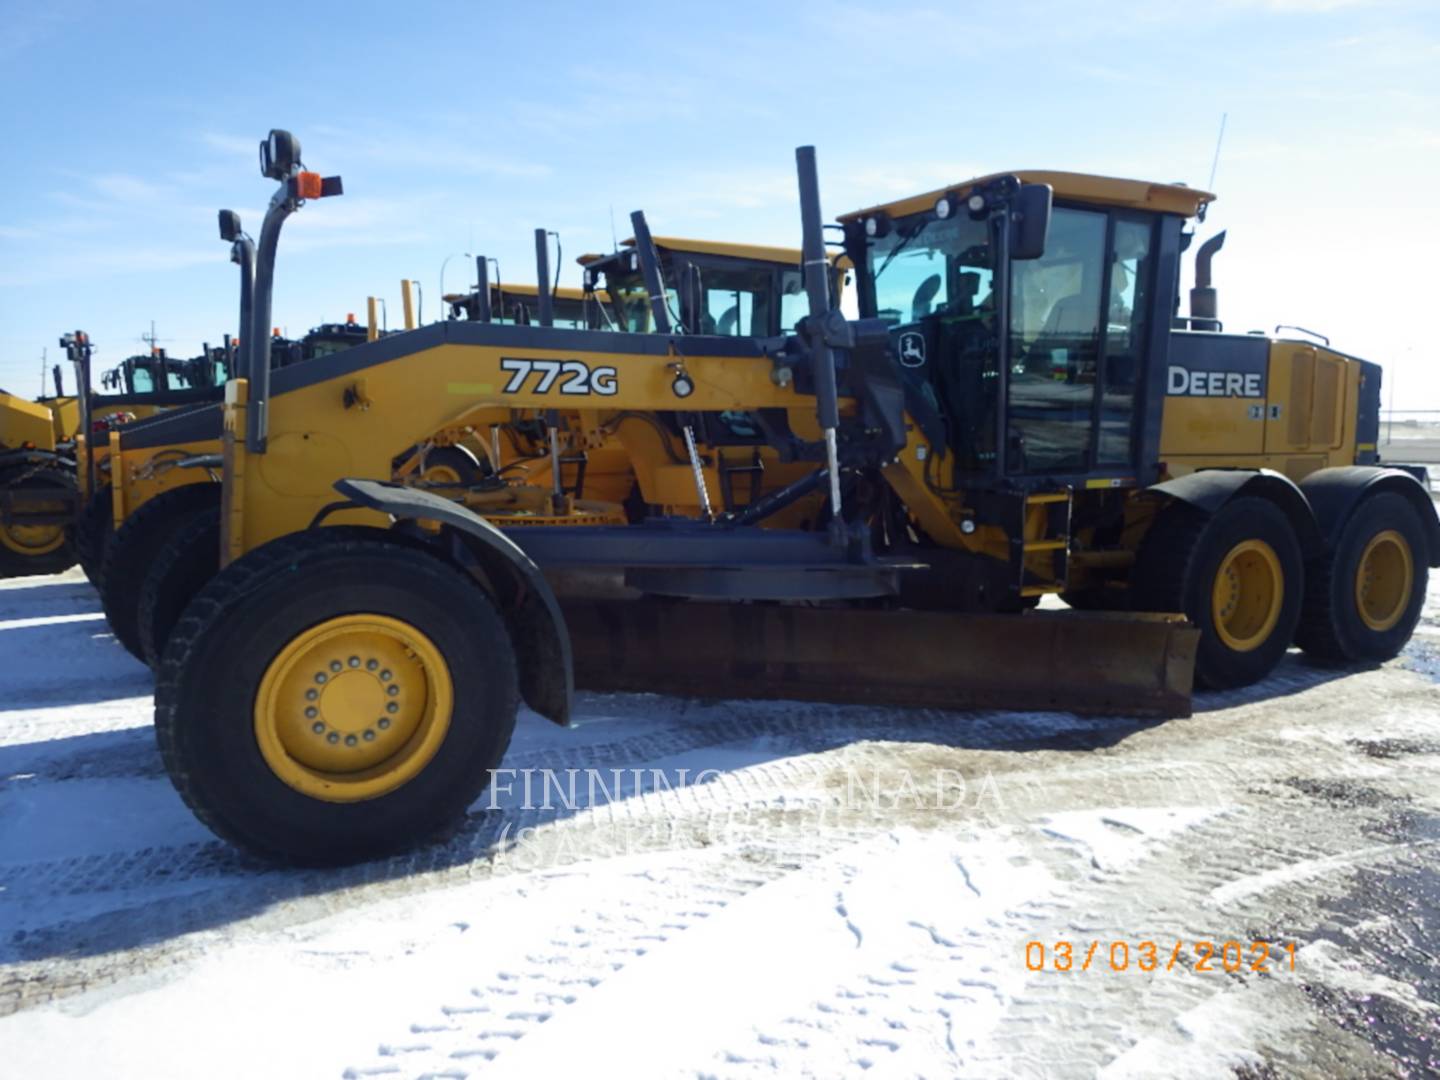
(564, 292)
(1075, 187)
(750, 252)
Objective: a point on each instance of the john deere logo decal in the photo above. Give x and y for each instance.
(912, 349)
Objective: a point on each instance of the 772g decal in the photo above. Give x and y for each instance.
(572, 376)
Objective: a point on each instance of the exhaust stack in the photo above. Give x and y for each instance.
(1204, 301)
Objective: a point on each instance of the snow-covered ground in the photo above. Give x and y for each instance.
(745, 888)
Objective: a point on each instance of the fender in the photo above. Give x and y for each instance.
(531, 612)
(1210, 489)
(1335, 494)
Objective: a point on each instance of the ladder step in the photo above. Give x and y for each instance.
(1049, 497)
(1046, 545)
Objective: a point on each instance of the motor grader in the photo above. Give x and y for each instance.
(165, 504)
(1014, 414)
(139, 387)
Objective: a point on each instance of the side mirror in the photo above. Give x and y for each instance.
(229, 226)
(1030, 221)
(279, 154)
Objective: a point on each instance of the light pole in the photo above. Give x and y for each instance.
(445, 262)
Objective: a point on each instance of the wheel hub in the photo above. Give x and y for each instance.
(1247, 595)
(1384, 579)
(353, 708)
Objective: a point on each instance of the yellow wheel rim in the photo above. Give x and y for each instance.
(1383, 580)
(353, 708)
(1248, 593)
(32, 541)
(440, 474)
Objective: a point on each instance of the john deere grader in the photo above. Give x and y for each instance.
(1014, 414)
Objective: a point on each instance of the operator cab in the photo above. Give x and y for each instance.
(1066, 393)
(519, 305)
(730, 290)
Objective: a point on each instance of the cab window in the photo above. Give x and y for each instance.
(1055, 346)
(735, 303)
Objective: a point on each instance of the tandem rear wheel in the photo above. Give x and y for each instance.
(44, 548)
(1364, 596)
(335, 696)
(1237, 574)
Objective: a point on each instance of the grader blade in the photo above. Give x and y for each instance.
(1129, 665)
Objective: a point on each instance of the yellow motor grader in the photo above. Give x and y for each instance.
(1014, 414)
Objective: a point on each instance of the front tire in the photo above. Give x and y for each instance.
(1237, 574)
(93, 530)
(132, 552)
(335, 696)
(182, 567)
(1363, 599)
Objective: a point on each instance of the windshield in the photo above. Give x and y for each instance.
(1076, 324)
(933, 283)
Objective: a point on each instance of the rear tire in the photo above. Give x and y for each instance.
(26, 550)
(93, 530)
(132, 552)
(246, 757)
(1237, 574)
(183, 566)
(1364, 597)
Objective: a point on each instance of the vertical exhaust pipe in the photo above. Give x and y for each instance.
(817, 288)
(1204, 301)
(545, 302)
(482, 290)
(650, 271)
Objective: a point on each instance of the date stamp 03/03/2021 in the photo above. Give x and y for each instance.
(1231, 957)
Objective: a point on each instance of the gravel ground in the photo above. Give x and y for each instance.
(747, 888)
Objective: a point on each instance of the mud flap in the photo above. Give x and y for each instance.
(1116, 664)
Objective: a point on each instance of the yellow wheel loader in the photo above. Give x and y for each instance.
(1014, 414)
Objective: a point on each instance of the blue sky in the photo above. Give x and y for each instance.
(462, 127)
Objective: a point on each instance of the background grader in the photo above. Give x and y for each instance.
(1013, 415)
(166, 505)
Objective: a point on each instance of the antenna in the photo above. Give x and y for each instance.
(614, 240)
(1215, 163)
(44, 352)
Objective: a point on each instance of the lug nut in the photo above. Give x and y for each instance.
(371, 665)
(354, 661)
(385, 675)
(384, 723)
(335, 665)
(392, 689)
(320, 676)
(311, 713)
(312, 694)
(317, 727)
(350, 740)
(369, 735)
(332, 738)
(392, 707)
